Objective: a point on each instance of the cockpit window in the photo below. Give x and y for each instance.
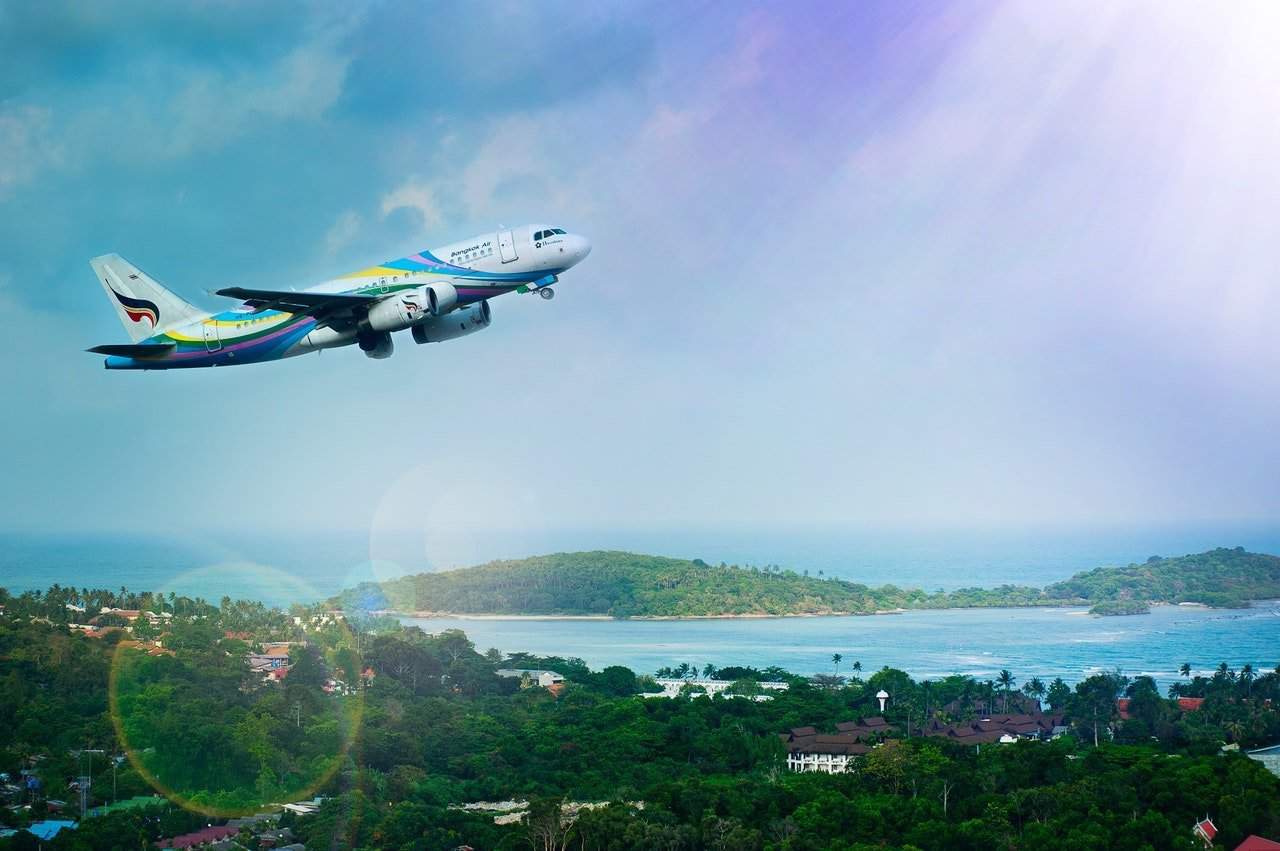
(557, 230)
(539, 234)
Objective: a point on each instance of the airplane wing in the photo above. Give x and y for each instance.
(136, 350)
(323, 306)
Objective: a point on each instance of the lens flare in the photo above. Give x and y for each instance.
(232, 715)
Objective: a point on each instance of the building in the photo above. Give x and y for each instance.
(1268, 756)
(1205, 831)
(43, 830)
(532, 677)
(808, 750)
(672, 687)
(208, 836)
(1257, 843)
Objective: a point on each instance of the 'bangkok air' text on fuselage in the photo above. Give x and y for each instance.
(435, 295)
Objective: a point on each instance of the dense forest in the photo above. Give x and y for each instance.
(622, 584)
(419, 725)
(426, 726)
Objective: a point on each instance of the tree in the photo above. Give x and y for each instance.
(1059, 694)
(546, 825)
(1034, 688)
(835, 659)
(1246, 677)
(1185, 670)
(1006, 681)
(708, 670)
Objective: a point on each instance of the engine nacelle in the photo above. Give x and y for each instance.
(468, 320)
(397, 312)
(441, 298)
(377, 346)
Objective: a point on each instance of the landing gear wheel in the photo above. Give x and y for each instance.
(547, 293)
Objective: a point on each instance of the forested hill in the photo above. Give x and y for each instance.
(623, 584)
(1220, 577)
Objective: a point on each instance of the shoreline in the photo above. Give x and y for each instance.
(1075, 609)
(475, 616)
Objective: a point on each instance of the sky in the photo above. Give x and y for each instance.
(877, 265)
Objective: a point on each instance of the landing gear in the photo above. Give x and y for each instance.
(547, 293)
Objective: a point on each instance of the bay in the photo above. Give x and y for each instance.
(1043, 642)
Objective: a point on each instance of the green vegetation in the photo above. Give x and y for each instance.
(1120, 607)
(439, 729)
(623, 585)
(1221, 577)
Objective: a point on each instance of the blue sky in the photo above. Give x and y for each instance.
(881, 265)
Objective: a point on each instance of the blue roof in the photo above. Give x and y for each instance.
(49, 829)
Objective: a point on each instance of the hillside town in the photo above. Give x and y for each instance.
(302, 676)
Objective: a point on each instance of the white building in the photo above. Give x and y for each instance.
(534, 676)
(672, 687)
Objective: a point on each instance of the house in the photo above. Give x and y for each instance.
(1268, 756)
(672, 687)
(208, 836)
(1257, 843)
(809, 750)
(46, 830)
(1205, 831)
(1190, 704)
(531, 677)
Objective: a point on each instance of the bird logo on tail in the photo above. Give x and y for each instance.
(138, 309)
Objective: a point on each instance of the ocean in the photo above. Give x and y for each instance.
(283, 569)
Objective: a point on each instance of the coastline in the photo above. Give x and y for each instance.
(481, 616)
(1074, 609)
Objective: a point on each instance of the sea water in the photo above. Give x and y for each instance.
(284, 569)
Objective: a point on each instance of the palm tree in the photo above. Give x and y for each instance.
(836, 659)
(1246, 677)
(708, 670)
(1185, 670)
(857, 667)
(1006, 681)
(1035, 687)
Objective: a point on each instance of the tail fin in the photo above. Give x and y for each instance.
(145, 307)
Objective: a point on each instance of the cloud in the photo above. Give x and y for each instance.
(343, 231)
(26, 145)
(414, 194)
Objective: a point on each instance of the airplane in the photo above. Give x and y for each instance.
(436, 295)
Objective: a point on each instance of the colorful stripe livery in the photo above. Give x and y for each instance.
(363, 307)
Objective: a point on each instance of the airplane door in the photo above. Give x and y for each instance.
(506, 246)
(211, 340)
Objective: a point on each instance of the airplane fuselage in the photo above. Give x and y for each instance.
(473, 271)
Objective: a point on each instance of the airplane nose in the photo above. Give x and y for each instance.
(582, 249)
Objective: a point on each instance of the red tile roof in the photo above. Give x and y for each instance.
(1190, 704)
(1257, 843)
(1208, 828)
(200, 837)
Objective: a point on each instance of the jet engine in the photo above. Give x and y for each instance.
(468, 320)
(377, 346)
(397, 312)
(441, 298)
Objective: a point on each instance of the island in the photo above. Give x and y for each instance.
(630, 585)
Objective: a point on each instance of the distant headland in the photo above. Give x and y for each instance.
(629, 585)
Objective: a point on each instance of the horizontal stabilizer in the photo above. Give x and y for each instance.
(137, 350)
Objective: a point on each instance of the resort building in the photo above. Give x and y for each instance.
(672, 687)
(532, 677)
